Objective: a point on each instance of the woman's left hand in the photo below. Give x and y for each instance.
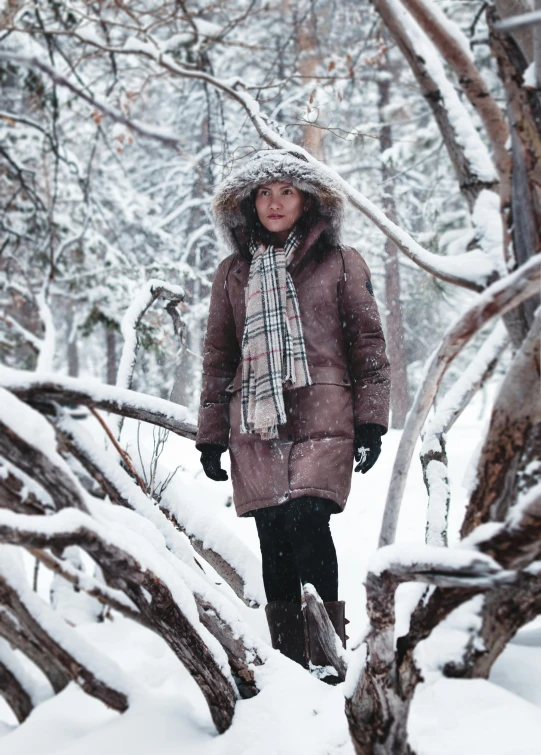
(367, 446)
(210, 461)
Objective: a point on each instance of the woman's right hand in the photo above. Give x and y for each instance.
(210, 461)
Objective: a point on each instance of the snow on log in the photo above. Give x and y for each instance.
(434, 565)
(329, 640)
(383, 675)
(95, 588)
(45, 388)
(13, 692)
(28, 442)
(517, 542)
(23, 639)
(238, 568)
(222, 549)
(243, 649)
(19, 688)
(499, 298)
(96, 675)
(152, 584)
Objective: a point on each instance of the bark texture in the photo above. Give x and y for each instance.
(515, 416)
(14, 694)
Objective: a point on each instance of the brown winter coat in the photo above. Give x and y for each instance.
(345, 348)
(350, 381)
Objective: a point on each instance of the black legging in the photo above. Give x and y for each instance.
(297, 546)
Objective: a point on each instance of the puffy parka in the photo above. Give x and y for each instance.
(345, 348)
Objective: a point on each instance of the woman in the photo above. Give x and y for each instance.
(295, 378)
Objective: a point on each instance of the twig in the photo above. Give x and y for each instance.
(125, 457)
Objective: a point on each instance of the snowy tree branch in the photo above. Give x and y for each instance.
(433, 451)
(469, 156)
(113, 480)
(72, 656)
(42, 389)
(473, 270)
(379, 694)
(121, 568)
(93, 587)
(31, 460)
(454, 48)
(22, 638)
(499, 298)
(149, 293)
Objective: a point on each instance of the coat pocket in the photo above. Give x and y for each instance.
(325, 408)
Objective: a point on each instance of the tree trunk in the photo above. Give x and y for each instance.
(393, 309)
(515, 417)
(310, 58)
(524, 220)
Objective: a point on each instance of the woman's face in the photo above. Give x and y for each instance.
(279, 205)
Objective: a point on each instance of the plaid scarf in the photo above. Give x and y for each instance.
(273, 350)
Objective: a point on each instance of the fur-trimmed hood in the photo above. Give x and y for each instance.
(276, 165)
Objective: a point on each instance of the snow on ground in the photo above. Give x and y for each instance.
(294, 712)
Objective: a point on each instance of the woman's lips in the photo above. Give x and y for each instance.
(275, 217)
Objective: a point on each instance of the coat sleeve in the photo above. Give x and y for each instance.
(221, 356)
(365, 342)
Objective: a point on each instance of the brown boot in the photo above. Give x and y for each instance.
(336, 613)
(286, 626)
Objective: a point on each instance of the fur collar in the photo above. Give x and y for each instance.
(276, 165)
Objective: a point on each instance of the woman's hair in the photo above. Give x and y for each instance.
(254, 228)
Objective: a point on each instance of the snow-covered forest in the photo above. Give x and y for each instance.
(131, 597)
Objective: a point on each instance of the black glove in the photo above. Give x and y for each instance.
(367, 445)
(210, 460)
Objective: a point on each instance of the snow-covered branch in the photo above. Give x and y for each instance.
(155, 595)
(468, 154)
(27, 441)
(14, 686)
(79, 661)
(473, 270)
(230, 558)
(129, 594)
(498, 299)
(433, 451)
(148, 294)
(380, 686)
(50, 387)
(453, 45)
